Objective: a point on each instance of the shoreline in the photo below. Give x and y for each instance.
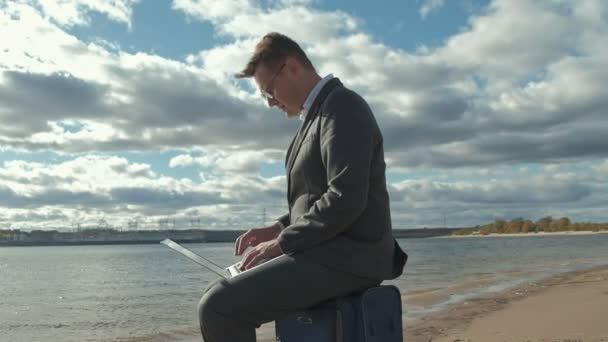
(528, 309)
(525, 309)
(496, 317)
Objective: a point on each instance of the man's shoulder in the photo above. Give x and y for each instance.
(341, 95)
(342, 100)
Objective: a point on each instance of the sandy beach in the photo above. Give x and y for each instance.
(570, 307)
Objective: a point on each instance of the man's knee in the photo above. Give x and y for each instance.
(223, 300)
(212, 300)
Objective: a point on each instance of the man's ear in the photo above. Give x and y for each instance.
(293, 65)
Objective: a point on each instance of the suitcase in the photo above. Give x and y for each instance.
(373, 315)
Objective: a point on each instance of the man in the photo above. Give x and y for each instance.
(336, 238)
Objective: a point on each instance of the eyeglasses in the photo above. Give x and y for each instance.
(268, 93)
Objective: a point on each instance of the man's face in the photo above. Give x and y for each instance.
(275, 87)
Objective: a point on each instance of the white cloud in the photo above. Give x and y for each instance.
(91, 173)
(222, 62)
(87, 188)
(90, 131)
(181, 160)
(213, 9)
(242, 19)
(468, 197)
(240, 161)
(33, 44)
(120, 100)
(515, 40)
(429, 6)
(76, 12)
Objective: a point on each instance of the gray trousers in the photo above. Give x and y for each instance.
(231, 309)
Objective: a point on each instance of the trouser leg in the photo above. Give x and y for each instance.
(231, 309)
(216, 326)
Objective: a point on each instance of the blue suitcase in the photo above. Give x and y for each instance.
(373, 315)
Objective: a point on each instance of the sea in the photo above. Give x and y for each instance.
(150, 293)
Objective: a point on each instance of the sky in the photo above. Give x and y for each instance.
(126, 113)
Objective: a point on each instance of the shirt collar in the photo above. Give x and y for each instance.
(313, 95)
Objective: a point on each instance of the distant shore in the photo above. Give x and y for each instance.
(525, 234)
(18, 238)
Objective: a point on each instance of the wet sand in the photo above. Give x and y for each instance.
(570, 307)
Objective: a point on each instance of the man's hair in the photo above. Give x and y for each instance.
(273, 49)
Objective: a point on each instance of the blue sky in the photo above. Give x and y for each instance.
(127, 110)
(156, 28)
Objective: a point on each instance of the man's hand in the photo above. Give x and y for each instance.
(255, 236)
(263, 251)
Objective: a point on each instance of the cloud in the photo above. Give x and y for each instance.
(214, 10)
(57, 96)
(120, 101)
(472, 196)
(161, 198)
(242, 19)
(466, 102)
(181, 161)
(506, 106)
(429, 6)
(90, 187)
(238, 161)
(76, 12)
(531, 191)
(521, 84)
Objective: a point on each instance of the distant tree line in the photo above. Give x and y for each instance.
(545, 224)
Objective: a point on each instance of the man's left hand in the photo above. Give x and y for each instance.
(265, 250)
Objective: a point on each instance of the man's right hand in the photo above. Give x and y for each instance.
(255, 236)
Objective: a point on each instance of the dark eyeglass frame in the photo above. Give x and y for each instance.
(268, 95)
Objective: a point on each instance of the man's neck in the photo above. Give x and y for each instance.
(309, 82)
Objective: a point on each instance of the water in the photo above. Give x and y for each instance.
(449, 270)
(149, 292)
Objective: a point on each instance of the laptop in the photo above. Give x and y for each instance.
(228, 272)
